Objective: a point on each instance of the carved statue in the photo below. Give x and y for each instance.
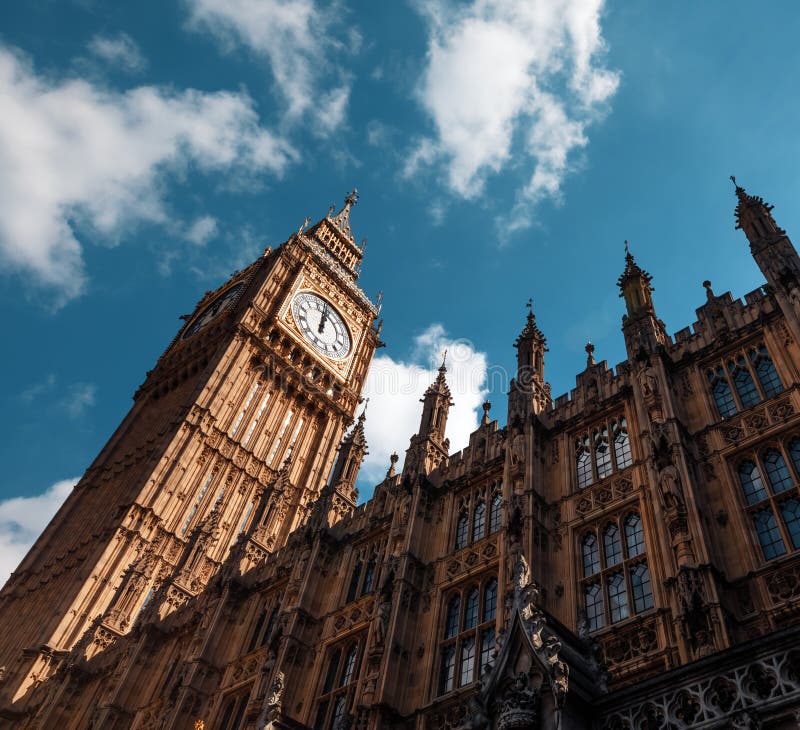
(518, 448)
(380, 623)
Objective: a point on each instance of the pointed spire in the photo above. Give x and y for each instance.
(342, 219)
(531, 331)
(632, 269)
(754, 216)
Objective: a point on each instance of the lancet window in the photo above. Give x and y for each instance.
(743, 379)
(264, 624)
(364, 573)
(233, 708)
(616, 579)
(769, 480)
(479, 514)
(604, 450)
(340, 673)
(467, 633)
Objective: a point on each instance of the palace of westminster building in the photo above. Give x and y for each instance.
(622, 557)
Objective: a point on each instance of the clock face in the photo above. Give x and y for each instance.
(219, 305)
(321, 325)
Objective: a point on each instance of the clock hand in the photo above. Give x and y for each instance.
(323, 320)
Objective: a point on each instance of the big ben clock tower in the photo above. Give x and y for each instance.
(238, 420)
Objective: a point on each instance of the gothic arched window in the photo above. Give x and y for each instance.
(790, 511)
(495, 513)
(478, 521)
(617, 596)
(617, 580)
(591, 555)
(338, 687)
(743, 382)
(769, 535)
(794, 453)
(777, 472)
(369, 575)
(642, 588)
(352, 590)
(721, 391)
(622, 445)
(602, 453)
(584, 464)
(451, 620)
(490, 600)
(612, 546)
(471, 609)
(467, 647)
(750, 478)
(765, 372)
(634, 535)
(462, 529)
(349, 665)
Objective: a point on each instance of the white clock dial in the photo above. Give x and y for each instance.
(219, 305)
(321, 325)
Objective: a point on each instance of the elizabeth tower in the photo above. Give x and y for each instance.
(237, 423)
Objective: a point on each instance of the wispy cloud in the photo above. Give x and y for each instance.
(120, 50)
(22, 519)
(299, 40)
(79, 398)
(511, 80)
(202, 230)
(394, 388)
(78, 157)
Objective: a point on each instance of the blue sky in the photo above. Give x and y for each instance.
(503, 149)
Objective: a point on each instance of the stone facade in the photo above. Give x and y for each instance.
(626, 556)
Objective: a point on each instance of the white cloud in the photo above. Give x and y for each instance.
(79, 397)
(79, 160)
(297, 38)
(202, 230)
(118, 50)
(394, 389)
(508, 80)
(22, 519)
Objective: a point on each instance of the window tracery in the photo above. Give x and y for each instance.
(606, 449)
(769, 479)
(471, 522)
(364, 573)
(341, 673)
(744, 379)
(616, 581)
(468, 633)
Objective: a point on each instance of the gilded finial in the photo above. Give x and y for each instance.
(589, 354)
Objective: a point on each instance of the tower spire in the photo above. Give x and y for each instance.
(641, 326)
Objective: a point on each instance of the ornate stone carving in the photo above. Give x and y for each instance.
(272, 703)
(729, 699)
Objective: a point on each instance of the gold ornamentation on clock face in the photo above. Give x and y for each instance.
(321, 325)
(219, 305)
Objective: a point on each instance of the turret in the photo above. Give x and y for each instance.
(429, 447)
(529, 389)
(769, 244)
(640, 325)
